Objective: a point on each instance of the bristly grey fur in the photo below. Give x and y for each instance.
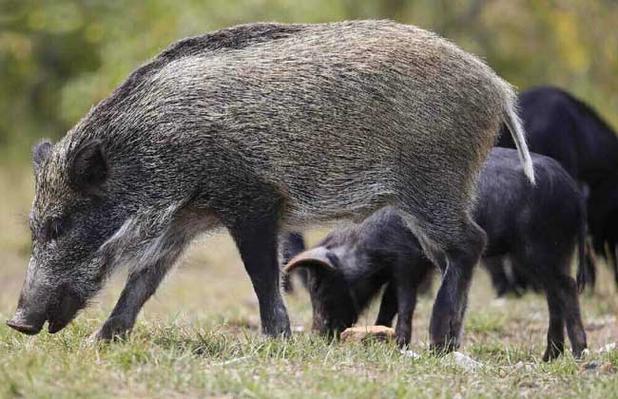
(268, 126)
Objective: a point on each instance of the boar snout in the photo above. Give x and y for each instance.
(31, 311)
(29, 323)
(34, 311)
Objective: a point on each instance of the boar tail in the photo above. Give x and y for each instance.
(515, 127)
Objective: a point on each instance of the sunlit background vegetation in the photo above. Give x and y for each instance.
(59, 57)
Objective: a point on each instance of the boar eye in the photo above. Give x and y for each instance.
(54, 228)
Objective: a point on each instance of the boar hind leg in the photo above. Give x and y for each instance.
(572, 314)
(256, 239)
(555, 332)
(562, 300)
(455, 248)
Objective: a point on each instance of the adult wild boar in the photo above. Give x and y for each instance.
(261, 128)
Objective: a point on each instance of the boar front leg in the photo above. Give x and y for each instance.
(256, 239)
(141, 285)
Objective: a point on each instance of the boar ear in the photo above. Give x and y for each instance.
(88, 168)
(40, 153)
(314, 257)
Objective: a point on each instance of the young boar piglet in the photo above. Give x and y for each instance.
(537, 227)
(347, 269)
(261, 128)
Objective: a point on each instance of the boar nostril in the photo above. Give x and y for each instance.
(22, 327)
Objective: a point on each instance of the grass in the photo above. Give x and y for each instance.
(199, 337)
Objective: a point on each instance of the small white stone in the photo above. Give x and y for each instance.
(410, 354)
(524, 366)
(607, 348)
(498, 302)
(464, 361)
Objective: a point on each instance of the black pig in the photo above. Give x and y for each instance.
(536, 227)
(567, 129)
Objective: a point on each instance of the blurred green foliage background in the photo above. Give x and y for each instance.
(60, 57)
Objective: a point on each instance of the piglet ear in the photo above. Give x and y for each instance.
(88, 168)
(40, 153)
(318, 257)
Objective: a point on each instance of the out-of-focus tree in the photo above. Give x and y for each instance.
(59, 57)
